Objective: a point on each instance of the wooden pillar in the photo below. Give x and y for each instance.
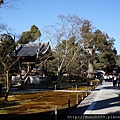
(28, 67)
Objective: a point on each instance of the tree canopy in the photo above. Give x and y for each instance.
(7, 45)
(106, 51)
(1, 2)
(30, 36)
(80, 46)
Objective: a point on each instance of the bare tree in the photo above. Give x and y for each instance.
(7, 45)
(6, 70)
(9, 3)
(68, 31)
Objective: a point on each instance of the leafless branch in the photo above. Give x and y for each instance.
(10, 4)
(14, 62)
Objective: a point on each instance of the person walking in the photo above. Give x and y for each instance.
(118, 80)
(114, 80)
(101, 79)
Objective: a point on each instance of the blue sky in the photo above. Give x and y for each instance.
(103, 14)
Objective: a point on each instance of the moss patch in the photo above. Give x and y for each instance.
(38, 102)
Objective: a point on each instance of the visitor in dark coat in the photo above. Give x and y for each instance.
(114, 80)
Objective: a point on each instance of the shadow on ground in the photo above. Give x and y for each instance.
(109, 103)
(50, 115)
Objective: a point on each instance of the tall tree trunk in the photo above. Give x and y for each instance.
(7, 87)
(90, 65)
(90, 69)
(59, 76)
(20, 71)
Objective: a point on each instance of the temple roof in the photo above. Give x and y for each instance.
(31, 49)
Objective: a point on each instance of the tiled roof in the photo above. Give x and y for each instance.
(31, 49)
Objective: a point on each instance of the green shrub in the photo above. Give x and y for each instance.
(95, 82)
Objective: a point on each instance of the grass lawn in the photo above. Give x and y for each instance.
(39, 102)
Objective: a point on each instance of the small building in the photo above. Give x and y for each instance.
(33, 59)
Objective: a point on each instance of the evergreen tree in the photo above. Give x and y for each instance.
(30, 36)
(7, 45)
(105, 50)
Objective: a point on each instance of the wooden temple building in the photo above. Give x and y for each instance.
(33, 61)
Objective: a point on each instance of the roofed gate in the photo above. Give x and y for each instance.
(33, 58)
